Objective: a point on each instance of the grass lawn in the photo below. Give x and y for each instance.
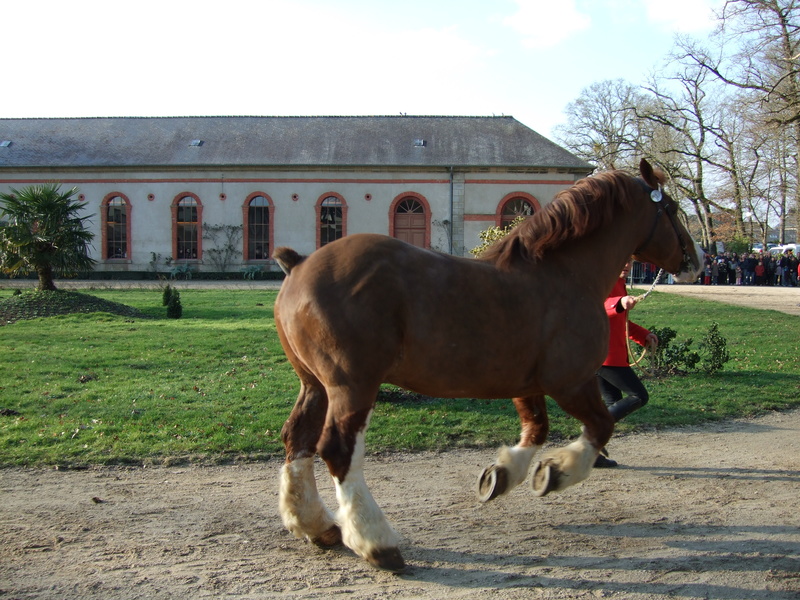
(215, 386)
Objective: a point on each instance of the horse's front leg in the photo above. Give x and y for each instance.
(512, 465)
(567, 466)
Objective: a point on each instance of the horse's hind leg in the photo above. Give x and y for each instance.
(301, 507)
(365, 529)
(567, 466)
(512, 465)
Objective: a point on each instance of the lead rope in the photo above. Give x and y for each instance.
(631, 358)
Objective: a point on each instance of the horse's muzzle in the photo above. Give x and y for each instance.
(690, 270)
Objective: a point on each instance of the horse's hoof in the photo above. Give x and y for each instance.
(388, 559)
(544, 479)
(329, 538)
(492, 483)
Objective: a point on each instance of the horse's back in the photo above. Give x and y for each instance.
(374, 304)
(344, 267)
(347, 303)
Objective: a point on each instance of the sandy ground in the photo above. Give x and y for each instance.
(783, 299)
(707, 512)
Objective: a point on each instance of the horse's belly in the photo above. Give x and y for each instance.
(455, 378)
(497, 370)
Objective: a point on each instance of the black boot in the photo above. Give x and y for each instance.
(604, 463)
(624, 407)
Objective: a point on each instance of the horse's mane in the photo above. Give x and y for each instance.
(574, 213)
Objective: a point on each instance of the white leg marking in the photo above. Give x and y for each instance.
(301, 508)
(517, 461)
(364, 526)
(575, 461)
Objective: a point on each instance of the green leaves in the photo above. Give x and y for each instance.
(714, 350)
(492, 234)
(44, 231)
(677, 357)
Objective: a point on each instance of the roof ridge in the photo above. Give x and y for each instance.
(167, 117)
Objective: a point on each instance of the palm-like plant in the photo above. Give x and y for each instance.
(42, 232)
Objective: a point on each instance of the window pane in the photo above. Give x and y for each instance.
(116, 231)
(516, 207)
(258, 229)
(330, 217)
(186, 228)
(187, 210)
(410, 205)
(187, 241)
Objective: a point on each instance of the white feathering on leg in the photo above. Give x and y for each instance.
(574, 461)
(517, 461)
(365, 529)
(301, 508)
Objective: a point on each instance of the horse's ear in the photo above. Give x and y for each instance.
(648, 174)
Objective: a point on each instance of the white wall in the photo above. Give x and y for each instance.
(294, 220)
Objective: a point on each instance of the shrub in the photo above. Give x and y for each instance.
(678, 358)
(174, 308)
(715, 350)
(492, 234)
(671, 358)
(165, 297)
(224, 246)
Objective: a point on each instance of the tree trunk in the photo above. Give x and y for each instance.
(46, 281)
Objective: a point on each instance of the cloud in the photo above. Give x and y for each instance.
(683, 16)
(546, 23)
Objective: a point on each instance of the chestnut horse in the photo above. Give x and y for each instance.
(525, 320)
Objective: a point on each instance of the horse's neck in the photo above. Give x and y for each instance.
(600, 256)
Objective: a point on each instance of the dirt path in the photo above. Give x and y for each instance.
(783, 299)
(712, 512)
(708, 512)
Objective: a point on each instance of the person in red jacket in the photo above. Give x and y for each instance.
(620, 387)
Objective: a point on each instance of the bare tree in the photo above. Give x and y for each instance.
(683, 118)
(765, 65)
(601, 125)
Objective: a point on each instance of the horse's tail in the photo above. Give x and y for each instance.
(287, 259)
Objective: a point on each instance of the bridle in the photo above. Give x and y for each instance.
(657, 196)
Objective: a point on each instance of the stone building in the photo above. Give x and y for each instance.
(154, 186)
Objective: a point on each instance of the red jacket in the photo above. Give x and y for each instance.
(617, 343)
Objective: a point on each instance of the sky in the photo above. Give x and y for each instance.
(522, 58)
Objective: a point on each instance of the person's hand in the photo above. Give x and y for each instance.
(651, 341)
(628, 302)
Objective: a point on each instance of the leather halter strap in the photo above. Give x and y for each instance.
(650, 235)
(662, 208)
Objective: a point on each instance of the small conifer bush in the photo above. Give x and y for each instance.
(174, 308)
(166, 295)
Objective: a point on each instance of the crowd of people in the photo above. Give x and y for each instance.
(751, 269)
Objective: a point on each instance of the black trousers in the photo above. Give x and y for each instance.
(617, 383)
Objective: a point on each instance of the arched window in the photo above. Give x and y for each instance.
(257, 227)
(116, 227)
(331, 220)
(513, 208)
(516, 204)
(187, 222)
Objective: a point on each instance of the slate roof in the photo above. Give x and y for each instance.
(278, 141)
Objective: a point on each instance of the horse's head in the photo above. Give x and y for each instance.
(666, 242)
